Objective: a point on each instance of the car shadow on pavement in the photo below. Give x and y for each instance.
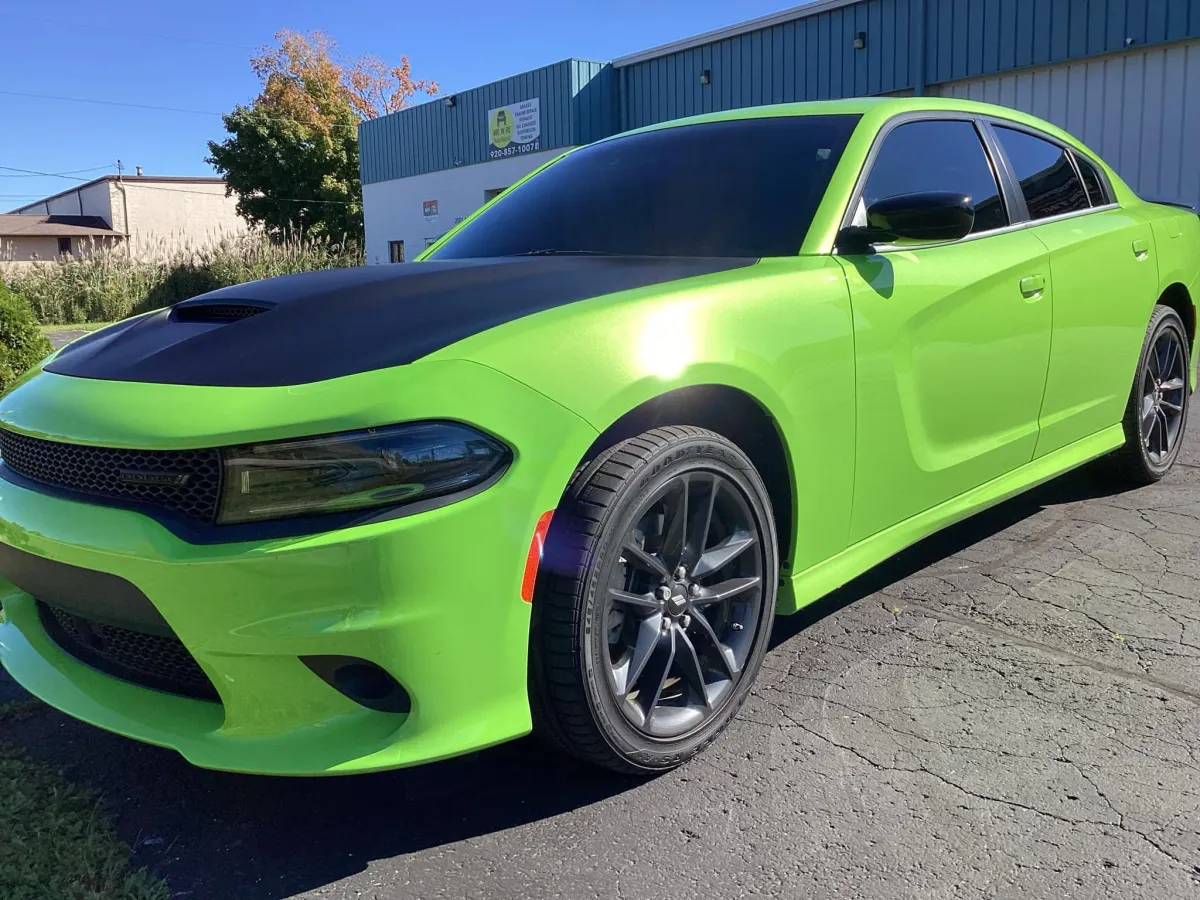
(213, 834)
(1082, 484)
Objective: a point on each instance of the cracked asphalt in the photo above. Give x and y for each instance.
(1010, 709)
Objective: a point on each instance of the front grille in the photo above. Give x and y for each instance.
(136, 477)
(150, 660)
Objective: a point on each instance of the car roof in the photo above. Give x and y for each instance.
(879, 109)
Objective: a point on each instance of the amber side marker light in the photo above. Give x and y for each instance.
(535, 555)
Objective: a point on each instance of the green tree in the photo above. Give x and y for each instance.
(292, 154)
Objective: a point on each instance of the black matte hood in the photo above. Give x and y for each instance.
(320, 325)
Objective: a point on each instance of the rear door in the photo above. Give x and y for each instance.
(1105, 283)
(951, 340)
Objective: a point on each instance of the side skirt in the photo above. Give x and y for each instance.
(816, 581)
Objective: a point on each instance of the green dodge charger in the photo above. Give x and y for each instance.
(560, 475)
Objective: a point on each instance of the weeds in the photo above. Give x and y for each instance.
(107, 285)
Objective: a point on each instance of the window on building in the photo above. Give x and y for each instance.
(492, 193)
(937, 156)
(1097, 188)
(1048, 179)
(396, 251)
(745, 188)
(64, 246)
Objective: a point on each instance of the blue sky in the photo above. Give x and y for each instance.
(151, 53)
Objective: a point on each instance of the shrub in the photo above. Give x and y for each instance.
(107, 285)
(22, 343)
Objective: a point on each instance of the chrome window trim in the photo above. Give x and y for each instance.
(1008, 229)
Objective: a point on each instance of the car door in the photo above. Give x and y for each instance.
(1105, 283)
(952, 340)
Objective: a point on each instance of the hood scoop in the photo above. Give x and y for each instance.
(202, 310)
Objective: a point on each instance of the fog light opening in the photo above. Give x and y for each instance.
(363, 682)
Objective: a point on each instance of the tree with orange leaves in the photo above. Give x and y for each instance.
(292, 154)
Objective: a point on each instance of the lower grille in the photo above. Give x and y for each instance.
(155, 661)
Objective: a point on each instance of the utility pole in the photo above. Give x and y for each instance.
(124, 207)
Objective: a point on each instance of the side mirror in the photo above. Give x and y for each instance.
(928, 217)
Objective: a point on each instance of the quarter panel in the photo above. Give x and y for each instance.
(1177, 243)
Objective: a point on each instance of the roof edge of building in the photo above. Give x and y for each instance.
(440, 98)
(802, 11)
(127, 179)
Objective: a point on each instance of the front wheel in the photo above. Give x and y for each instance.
(1156, 415)
(656, 601)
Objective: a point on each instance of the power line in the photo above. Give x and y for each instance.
(49, 174)
(148, 187)
(32, 174)
(196, 112)
(163, 37)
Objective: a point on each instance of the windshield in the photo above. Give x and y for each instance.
(741, 188)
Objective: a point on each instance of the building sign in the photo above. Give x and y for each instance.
(430, 210)
(514, 129)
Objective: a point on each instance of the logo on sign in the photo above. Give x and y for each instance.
(514, 129)
(430, 210)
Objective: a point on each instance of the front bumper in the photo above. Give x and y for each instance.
(433, 598)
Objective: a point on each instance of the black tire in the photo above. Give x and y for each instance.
(1146, 422)
(577, 703)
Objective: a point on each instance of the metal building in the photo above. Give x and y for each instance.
(1122, 75)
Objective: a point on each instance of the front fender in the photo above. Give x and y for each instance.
(781, 331)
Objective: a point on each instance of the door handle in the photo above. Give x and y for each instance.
(1141, 248)
(1033, 285)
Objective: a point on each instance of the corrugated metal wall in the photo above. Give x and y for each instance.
(1140, 110)
(976, 37)
(593, 101)
(813, 58)
(434, 136)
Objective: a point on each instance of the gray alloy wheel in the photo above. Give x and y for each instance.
(683, 604)
(655, 602)
(1156, 415)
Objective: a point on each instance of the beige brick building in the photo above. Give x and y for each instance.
(150, 215)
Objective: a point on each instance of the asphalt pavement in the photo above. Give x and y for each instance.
(59, 338)
(1007, 710)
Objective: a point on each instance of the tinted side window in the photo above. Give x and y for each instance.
(938, 156)
(1096, 189)
(1048, 179)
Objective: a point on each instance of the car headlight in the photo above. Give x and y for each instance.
(357, 470)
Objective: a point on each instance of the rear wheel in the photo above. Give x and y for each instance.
(656, 600)
(1158, 403)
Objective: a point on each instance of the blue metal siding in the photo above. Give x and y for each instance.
(813, 57)
(809, 58)
(577, 106)
(1019, 33)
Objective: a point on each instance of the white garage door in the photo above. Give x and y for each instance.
(1140, 110)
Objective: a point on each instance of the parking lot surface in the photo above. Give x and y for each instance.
(1007, 710)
